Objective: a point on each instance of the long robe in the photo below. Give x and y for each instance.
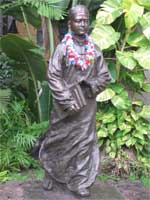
(70, 153)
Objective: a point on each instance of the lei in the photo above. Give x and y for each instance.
(74, 58)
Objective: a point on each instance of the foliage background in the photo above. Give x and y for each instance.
(121, 30)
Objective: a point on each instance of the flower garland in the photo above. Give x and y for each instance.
(74, 58)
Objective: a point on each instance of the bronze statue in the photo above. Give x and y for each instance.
(77, 73)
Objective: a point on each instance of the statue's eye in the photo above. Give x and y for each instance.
(78, 20)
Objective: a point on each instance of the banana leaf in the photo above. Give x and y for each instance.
(29, 58)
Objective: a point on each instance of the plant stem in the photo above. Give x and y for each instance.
(36, 91)
(26, 24)
(118, 65)
(74, 2)
(51, 37)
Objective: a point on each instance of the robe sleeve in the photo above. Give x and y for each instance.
(102, 78)
(60, 91)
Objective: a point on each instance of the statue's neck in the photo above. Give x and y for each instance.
(78, 38)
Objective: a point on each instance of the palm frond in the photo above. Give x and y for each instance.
(53, 9)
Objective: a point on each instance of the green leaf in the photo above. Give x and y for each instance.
(113, 71)
(104, 36)
(20, 50)
(129, 142)
(120, 102)
(139, 135)
(145, 113)
(31, 60)
(119, 142)
(142, 55)
(108, 118)
(125, 126)
(102, 133)
(112, 127)
(137, 103)
(106, 95)
(134, 115)
(146, 87)
(112, 155)
(4, 99)
(145, 23)
(138, 77)
(108, 149)
(100, 142)
(126, 59)
(133, 14)
(138, 40)
(117, 88)
(145, 3)
(109, 11)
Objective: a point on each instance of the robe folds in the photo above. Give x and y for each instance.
(70, 153)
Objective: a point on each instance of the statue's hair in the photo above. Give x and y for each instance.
(75, 10)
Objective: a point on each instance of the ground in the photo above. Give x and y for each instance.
(128, 190)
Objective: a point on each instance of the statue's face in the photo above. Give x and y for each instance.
(79, 24)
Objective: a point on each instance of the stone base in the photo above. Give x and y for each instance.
(99, 191)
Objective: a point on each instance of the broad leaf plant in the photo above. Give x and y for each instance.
(122, 31)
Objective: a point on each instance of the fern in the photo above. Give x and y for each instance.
(18, 135)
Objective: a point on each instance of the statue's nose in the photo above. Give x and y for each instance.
(82, 23)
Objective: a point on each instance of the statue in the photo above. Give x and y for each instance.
(77, 73)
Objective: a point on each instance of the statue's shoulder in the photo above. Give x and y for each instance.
(61, 46)
(60, 49)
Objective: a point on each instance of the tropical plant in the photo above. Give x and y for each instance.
(18, 135)
(6, 80)
(28, 56)
(122, 32)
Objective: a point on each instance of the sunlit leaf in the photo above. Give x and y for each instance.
(133, 14)
(112, 127)
(142, 55)
(120, 102)
(134, 115)
(126, 59)
(102, 133)
(109, 11)
(138, 77)
(125, 126)
(146, 87)
(145, 113)
(138, 103)
(108, 118)
(138, 40)
(112, 154)
(145, 23)
(104, 36)
(145, 3)
(106, 95)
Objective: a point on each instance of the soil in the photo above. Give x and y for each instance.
(129, 190)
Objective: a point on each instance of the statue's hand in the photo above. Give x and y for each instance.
(73, 108)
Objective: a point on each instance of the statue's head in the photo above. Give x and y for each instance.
(79, 19)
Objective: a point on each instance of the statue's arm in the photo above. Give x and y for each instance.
(55, 79)
(102, 77)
